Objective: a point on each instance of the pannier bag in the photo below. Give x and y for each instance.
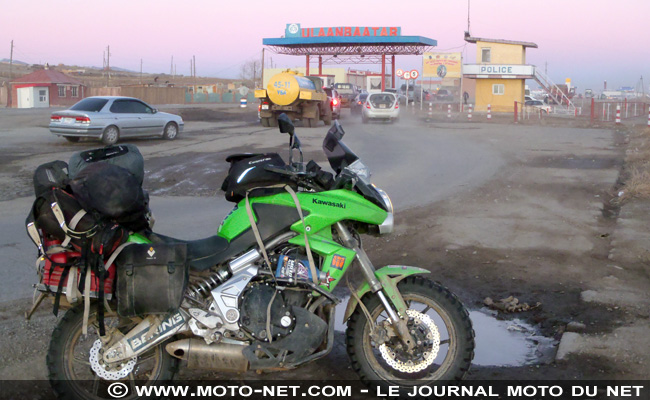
(50, 175)
(126, 156)
(151, 278)
(112, 191)
(247, 171)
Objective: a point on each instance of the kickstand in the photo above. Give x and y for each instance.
(37, 303)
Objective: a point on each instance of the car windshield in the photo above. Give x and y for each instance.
(344, 88)
(381, 100)
(90, 104)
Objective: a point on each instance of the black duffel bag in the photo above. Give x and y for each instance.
(114, 192)
(127, 156)
(151, 278)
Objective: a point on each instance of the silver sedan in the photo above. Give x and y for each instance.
(109, 118)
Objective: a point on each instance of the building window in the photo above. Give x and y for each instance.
(42, 96)
(498, 89)
(74, 91)
(485, 55)
(61, 91)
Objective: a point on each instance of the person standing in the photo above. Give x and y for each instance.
(465, 97)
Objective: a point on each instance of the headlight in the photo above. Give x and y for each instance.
(385, 198)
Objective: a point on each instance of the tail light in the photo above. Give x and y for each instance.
(368, 105)
(259, 108)
(396, 104)
(55, 118)
(83, 120)
(335, 102)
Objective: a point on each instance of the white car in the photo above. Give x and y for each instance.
(383, 105)
(535, 105)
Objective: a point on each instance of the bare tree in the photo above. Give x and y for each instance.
(251, 71)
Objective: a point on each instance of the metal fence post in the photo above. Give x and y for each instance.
(618, 114)
(516, 112)
(489, 115)
(593, 111)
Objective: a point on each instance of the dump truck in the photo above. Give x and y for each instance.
(300, 97)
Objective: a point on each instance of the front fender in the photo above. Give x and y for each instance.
(389, 276)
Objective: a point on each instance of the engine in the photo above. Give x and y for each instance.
(254, 309)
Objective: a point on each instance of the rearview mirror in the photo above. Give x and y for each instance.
(285, 124)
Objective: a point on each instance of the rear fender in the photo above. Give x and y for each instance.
(389, 276)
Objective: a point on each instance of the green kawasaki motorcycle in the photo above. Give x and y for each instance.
(259, 294)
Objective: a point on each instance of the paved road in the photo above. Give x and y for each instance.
(416, 166)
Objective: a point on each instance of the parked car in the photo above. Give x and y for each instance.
(348, 93)
(536, 105)
(444, 95)
(335, 101)
(382, 105)
(358, 103)
(110, 118)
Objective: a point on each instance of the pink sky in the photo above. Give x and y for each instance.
(586, 40)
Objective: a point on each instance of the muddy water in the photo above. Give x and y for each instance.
(503, 343)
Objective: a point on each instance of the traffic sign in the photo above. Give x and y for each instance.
(415, 74)
(399, 72)
(407, 75)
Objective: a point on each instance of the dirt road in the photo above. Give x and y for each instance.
(525, 212)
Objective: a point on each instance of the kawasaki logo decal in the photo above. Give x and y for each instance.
(328, 203)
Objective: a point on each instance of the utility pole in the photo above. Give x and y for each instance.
(262, 78)
(141, 71)
(194, 58)
(108, 66)
(11, 62)
(171, 71)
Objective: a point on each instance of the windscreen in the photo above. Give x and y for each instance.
(90, 104)
(338, 154)
(344, 88)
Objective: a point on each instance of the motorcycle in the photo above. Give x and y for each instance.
(260, 292)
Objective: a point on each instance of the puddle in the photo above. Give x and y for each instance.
(511, 343)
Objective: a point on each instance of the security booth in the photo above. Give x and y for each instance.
(500, 72)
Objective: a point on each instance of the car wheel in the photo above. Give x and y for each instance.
(72, 139)
(171, 131)
(111, 135)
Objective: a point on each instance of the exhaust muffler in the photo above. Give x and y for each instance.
(223, 357)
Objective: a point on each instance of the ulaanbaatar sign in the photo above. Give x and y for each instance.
(294, 30)
(441, 65)
(490, 70)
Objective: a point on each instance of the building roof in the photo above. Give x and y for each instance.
(47, 76)
(471, 39)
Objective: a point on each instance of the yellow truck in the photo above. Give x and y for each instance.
(300, 97)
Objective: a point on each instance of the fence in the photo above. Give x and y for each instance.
(228, 97)
(149, 94)
(605, 111)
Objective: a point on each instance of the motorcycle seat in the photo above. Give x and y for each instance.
(202, 253)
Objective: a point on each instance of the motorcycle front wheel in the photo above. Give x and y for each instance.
(438, 322)
(70, 360)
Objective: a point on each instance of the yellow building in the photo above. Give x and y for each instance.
(500, 72)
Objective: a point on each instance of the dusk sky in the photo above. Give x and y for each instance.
(588, 41)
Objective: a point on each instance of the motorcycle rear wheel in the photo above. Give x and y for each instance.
(455, 333)
(70, 372)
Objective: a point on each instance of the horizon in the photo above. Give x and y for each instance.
(587, 41)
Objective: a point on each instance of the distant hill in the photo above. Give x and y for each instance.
(6, 60)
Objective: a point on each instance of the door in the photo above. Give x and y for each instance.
(124, 117)
(149, 122)
(41, 97)
(25, 98)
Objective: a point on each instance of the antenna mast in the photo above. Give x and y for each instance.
(468, 4)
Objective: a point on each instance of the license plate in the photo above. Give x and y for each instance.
(382, 106)
(265, 107)
(68, 120)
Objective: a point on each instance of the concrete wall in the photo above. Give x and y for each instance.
(501, 53)
(513, 91)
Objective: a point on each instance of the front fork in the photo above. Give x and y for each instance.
(398, 319)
